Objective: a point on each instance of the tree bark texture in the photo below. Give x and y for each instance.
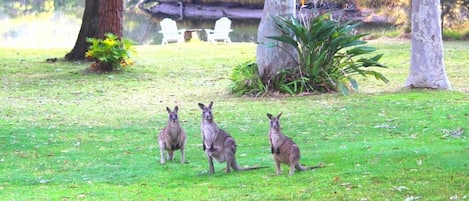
(427, 69)
(111, 14)
(89, 28)
(272, 59)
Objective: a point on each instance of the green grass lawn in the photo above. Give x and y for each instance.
(65, 135)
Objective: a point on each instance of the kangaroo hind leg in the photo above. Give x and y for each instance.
(170, 155)
(292, 169)
(162, 154)
(211, 169)
(183, 157)
(278, 168)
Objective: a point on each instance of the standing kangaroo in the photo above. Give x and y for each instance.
(172, 137)
(283, 149)
(217, 143)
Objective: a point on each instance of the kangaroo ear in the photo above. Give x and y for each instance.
(202, 106)
(176, 108)
(269, 115)
(210, 105)
(167, 109)
(278, 116)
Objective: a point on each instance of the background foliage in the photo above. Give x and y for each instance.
(329, 53)
(22, 20)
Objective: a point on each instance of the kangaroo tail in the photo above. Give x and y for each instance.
(236, 167)
(304, 168)
(252, 168)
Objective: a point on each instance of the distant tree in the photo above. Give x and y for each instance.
(271, 59)
(451, 11)
(100, 17)
(427, 69)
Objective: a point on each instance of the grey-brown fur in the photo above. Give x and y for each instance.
(284, 150)
(172, 137)
(217, 143)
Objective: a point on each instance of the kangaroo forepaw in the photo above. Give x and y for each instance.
(212, 149)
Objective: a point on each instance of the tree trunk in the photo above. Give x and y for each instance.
(272, 59)
(111, 14)
(100, 17)
(89, 29)
(427, 69)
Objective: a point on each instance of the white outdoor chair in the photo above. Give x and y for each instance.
(170, 32)
(221, 32)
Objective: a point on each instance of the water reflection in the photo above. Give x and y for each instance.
(60, 30)
(56, 30)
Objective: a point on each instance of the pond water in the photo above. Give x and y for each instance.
(60, 30)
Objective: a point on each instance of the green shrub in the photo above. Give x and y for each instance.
(459, 32)
(110, 53)
(329, 56)
(246, 80)
(465, 35)
(452, 35)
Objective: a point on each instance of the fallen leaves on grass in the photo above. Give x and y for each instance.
(456, 133)
(386, 126)
(456, 197)
(400, 188)
(412, 198)
(44, 181)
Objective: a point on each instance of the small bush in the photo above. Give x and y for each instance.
(246, 80)
(452, 35)
(459, 32)
(110, 53)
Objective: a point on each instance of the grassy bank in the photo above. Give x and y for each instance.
(65, 135)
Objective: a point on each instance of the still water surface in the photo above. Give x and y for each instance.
(60, 30)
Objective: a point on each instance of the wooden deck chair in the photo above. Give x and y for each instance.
(170, 32)
(221, 32)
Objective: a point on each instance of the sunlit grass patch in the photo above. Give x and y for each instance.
(65, 135)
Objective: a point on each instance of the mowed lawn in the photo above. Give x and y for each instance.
(66, 135)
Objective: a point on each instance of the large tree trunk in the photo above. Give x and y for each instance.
(272, 59)
(427, 69)
(100, 17)
(111, 14)
(89, 29)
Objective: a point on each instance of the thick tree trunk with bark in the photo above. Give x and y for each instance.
(427, 69)
(111, 14)
(100, 17)
(89, 28)
(272, 59)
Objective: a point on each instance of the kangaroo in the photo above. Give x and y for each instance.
(283, 149)
(217, 143)
(172, 137)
